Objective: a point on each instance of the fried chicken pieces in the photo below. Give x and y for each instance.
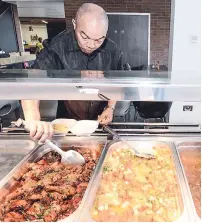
(49, 190)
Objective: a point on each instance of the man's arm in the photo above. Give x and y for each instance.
(107, 116)
(120, 66)
(38, 129)
(111, 104)
(31, 109)
(46, 60)
(119, 54)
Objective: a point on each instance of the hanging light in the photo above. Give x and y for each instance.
(44, 21)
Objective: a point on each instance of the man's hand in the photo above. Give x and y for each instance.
(106, 117)
(39, 130)
(92, 74)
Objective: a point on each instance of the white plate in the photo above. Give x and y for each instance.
(84, 127)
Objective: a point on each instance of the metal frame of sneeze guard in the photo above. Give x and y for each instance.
(114, 85)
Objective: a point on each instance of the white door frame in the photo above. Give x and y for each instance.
(149, 25)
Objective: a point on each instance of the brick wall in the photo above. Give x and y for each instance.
(160, 20)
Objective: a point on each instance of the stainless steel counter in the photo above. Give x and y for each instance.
(13, 148)
(8, 147)
(12, 151)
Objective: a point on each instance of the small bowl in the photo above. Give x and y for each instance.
(62, 126)
(84, 127)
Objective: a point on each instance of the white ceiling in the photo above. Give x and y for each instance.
(40, 8)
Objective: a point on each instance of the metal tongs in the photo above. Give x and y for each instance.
(137, 153)
(70, 157)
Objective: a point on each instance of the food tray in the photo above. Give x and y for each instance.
(9, 182)
(190, 159)
(89, 199)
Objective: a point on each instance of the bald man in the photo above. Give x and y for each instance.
(84, 48)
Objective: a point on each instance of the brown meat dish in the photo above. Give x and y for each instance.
(191, 160)
(48, 190)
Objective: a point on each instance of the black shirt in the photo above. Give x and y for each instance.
(63, 52)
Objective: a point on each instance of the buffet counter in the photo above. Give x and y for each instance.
(167, 188)
(113, 184)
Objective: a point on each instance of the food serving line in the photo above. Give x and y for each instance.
(113, 184)
(184, 147)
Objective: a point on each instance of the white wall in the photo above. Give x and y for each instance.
(185, 39)
(39, 30)
(185, 55)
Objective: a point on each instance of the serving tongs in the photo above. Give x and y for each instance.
(69, 157)
(138, 153)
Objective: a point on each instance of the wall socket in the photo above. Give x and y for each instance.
(187, 107)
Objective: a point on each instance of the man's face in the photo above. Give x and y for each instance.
(90, 34)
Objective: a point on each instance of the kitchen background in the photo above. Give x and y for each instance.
(51, 14)
(146, 41)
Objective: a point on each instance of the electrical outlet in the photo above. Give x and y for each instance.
(193, 39)
(187, 107)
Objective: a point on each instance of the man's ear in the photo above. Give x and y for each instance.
(74, 23)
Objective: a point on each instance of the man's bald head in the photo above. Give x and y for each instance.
(90, 25)
(95, 12)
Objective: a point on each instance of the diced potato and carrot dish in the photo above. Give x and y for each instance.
(136, 189)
